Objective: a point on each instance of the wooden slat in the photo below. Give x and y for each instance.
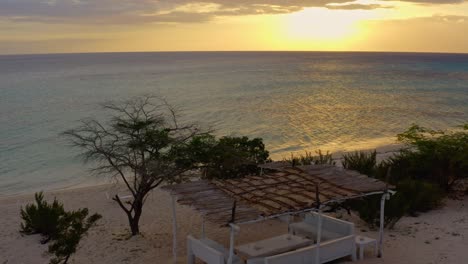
(283, 190)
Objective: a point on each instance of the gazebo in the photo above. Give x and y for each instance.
(280, 190)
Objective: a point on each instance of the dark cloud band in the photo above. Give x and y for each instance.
(163, 11)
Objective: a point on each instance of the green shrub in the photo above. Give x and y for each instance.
(421, 196)
(41, 218)
(300, 159)
(73, 226)
(368, 209)
(323, 158)
(423, 173)
(227, 157)
(64, 228)
(413, 194)
(438, 156)
(363, 162)
(307, 158)
(411, 198)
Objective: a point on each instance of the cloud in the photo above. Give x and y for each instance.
(437, 33)
(437, 18)
(431, 1)
(352, 6)
(152, 11)
(448, 18)
(164, 11)
(56, 45)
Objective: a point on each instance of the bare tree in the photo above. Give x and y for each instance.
(142, 144)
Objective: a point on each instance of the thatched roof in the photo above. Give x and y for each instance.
(274, 193)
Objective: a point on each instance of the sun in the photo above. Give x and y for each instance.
(325, 24)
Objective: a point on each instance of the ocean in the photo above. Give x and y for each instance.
(295, 101)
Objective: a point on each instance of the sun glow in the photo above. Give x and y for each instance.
(324, 24)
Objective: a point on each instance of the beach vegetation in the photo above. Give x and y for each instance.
(42, 218)
(142, 143)
(227, 157)
(361, 161)
(308, 158)
(64, 228)
(437, 156)
(411, 198)
(73, 227)
(423, 172)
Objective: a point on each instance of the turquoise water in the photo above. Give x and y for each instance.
(294, 100)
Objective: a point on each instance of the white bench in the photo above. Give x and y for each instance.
(329, 251)
(337, 236)
(305, 255)
(208, 251)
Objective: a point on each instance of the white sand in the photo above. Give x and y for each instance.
(440, 236)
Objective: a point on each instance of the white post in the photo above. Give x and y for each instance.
(319, 235)
(174, 229)
(385, 196)
(234, 230)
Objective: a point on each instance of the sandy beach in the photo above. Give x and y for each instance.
(439, 236)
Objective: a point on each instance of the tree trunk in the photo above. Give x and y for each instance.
(134, 220)
(66, 260)
(134, 226)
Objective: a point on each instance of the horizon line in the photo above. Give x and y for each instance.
(234, 51)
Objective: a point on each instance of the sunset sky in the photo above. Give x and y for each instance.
(58, 26)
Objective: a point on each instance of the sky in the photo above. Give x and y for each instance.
(69, 26)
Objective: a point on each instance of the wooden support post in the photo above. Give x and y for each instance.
(317, 196)
(319, 235)
(385, 196)
(234, 230)
(203, 228)
(233, 212)
(190, 255)
(319, 223)
(174, 229)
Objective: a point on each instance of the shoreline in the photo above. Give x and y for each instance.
(383, 152)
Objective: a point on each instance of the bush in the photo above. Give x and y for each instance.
(420, 196)
(54, 223)
(42, 218)
(73, 226)
(437, 156)
(228, 157)
(413, 194)
(323, 158)
(368, 209)
(412, 197)
(308, 159)
(361, 161)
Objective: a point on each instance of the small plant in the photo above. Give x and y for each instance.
(437, 156)
(300, 159)
(64, 228)
(308, 159)
(73, 226)
(420, 196)
(323, 158)
(41, 218)
(361, 161)
(411, 198)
